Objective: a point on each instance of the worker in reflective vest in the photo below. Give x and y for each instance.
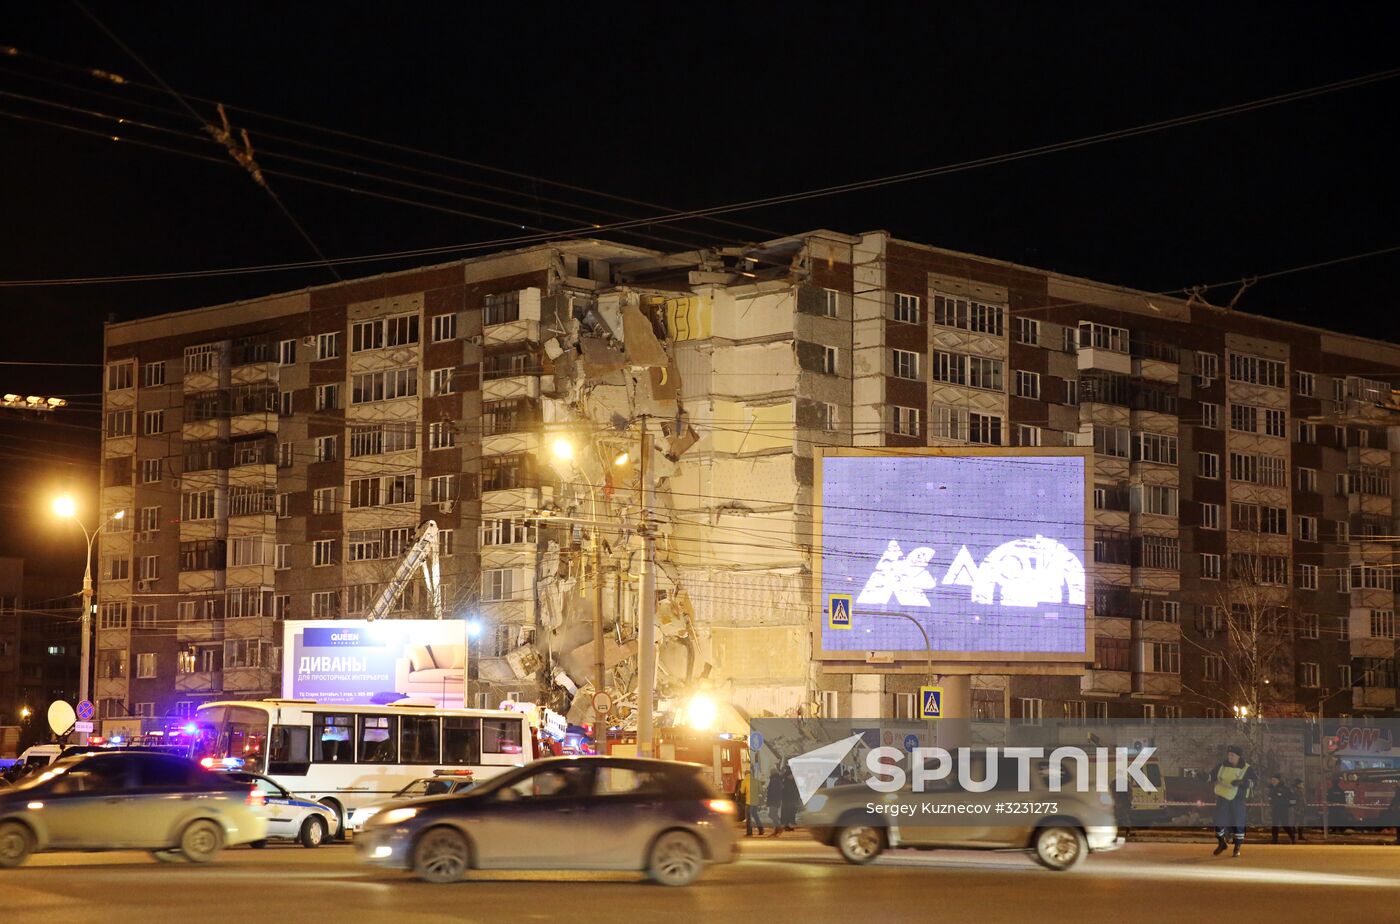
(1234, 779)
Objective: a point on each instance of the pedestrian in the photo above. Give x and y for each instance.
(754, 816)
(773, 799)
(1234, 778)
(1300, 810)
(791, 800)
(1281, 800)
(741, 802)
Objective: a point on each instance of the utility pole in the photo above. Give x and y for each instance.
(646, 655)
(599, 662)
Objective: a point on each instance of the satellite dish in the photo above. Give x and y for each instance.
(61, 717)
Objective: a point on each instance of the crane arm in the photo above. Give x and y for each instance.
(422, 554)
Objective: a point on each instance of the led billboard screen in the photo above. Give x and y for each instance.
(986, 549)
(354, 661)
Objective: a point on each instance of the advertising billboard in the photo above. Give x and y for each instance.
(354, 661)
(982, 549)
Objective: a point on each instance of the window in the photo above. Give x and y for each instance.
(1155, 499)
(324, 604)
(1307, 480)
(384, 386)
(502, 308)
(117, 568)
(1103, 337)
(1383, 624)
(1273, 471)
(367, 335)
(197, 505)
(1275, 423)
(146, 665)
(446, 541)
(1208, 464)
(1112, 441)
(1210, 516)
(150, 568)
(286, 352)
(1307, 433)
(904, 420)
(444, 327)
(831, 300)
(1154, 447)
(282, 556)
(1341, 531)
(966, 314)
(328, 345)
(119, 423)
(121, 375)
(949, 422)
(150, 471)
(1071, 392)
(1307, 576)
(1161, 657)
(1344, 676)
(907, 308)
(323, 500)
(1309, 674)
(152, 422)
(113, 616)
(1028, 331)
(1210, 566)
(382, 490)
(1213, 668)
(323, 552)
(286, 454)
(1307, 529)
(1210, 415)
(1309, 626)
(145, 619)
(441, 435)
(1112, 654)
(1244, 418)
(325, 448)
(905, 365)
(1029, 710)
(1305, 384)
(440, 382)
(498, 531)
(497, 584)
(152, 374)
(249, 550)
(328, 397)
(1344, 581)
(1155, 609)
(1027, 384)
(1207, 369)
(283, 506)
(285, 403)
(829, 364)
(962, 369)
(1027, 435)
(442, 488)
(1256, 370)
(202, 358)
(378, 438)
(148, 520)
(984, 429)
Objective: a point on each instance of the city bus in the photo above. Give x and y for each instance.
(347, 756)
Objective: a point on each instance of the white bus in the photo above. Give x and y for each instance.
(348, 756)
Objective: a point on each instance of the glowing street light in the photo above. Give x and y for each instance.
(563, 449)
(65, 507)
(25, 712)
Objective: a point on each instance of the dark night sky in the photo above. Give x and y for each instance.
(700, 106)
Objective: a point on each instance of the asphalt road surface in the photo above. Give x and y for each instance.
(785, 881)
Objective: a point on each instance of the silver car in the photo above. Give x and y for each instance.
(1058, 828)
(581, 813)
(128, 800)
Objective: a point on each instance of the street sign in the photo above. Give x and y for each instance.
(86, 710)
(755, 742)
(84, 727)
(930, 702)
(602, 702)
(911, 742)
(838, 609)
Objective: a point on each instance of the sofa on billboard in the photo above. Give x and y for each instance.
(435, 671)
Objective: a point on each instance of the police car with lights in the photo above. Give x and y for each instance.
(441, 783)
(288, 818)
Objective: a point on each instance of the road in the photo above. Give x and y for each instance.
(789, 880)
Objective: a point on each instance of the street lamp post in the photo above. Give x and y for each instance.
(66, 508)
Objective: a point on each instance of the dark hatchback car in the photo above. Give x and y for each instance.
(123, 800)
(576, 813)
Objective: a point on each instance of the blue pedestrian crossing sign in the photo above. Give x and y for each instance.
(930, 702)
(838, 611)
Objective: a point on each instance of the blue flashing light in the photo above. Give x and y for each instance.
(115, 739)
(190, 729)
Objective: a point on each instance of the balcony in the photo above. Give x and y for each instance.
(511, 386)
(200, 682)
(1096, 681)
(1154, 684)
(1373, 697)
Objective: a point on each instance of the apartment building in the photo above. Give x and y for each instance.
(276, 456)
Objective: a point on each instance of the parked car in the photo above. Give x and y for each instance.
(118, 800)
(1060, 828)
(600, 813)
(441, 783)
(288, 818)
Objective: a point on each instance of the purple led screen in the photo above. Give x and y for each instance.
(986, 552)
